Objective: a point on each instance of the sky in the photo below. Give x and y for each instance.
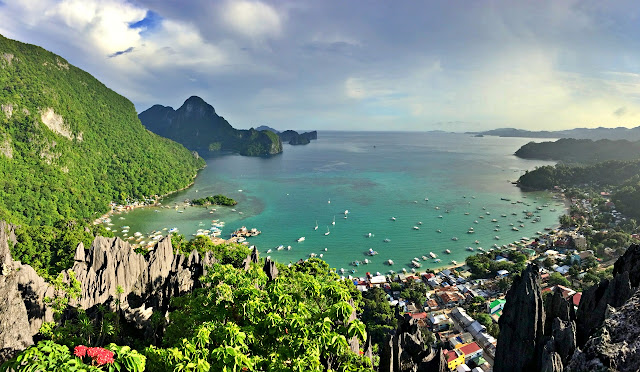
(356, 65)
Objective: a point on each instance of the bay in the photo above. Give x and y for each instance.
(375, 176)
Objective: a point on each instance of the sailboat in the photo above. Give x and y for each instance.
(334, 220)
(316, 228)
(328, 232)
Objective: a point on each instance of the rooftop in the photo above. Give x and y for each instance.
(470, 348)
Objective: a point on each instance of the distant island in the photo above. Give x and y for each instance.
(291, 136)
(197, 126)
(569, 150)
(619, 133)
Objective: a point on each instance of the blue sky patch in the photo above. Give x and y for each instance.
(150, 22)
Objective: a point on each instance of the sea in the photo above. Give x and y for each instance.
(401, 195)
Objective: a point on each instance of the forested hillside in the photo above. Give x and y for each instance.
(69, 145)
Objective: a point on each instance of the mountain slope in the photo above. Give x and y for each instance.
(619, 133)
(69, 145)
(197, 126)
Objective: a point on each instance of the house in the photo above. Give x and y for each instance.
(496, 305)
(502, 273)
(471, 351)
(566, 292)
(528, 251)
(431, 304)
(563, 269)
(500, 259)
(463, 368)
(454, 358)
(451, 298)
(460, 340)
(439, 322)
(581, 256)
(461, 315)
(476, 328)
(576, 299)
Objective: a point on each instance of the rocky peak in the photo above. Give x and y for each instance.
(195, 106)
(521, 324)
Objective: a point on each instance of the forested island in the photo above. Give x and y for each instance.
(198, 127)
(291, 136)
(569, 150)
(215, 200)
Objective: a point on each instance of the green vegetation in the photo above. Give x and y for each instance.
(483, 265)
(71, 146)
(197, 126)
(569, 150)
(377, 315)
(215, 200)
(558, 279)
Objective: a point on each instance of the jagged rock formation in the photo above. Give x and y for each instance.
(15, 331)
(521, 324)
(615, 346)
(405, 351)
(270, 269)
(606, 325)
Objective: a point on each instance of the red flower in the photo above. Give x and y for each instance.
(80, 351)
(100, 356)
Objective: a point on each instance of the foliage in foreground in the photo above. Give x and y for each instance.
(242, 321)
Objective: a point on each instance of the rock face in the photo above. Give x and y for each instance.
(294, 138)
(15, 331)
(616, 346)
(521, 324)
(405, 351)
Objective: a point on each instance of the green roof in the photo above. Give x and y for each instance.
(497, 302)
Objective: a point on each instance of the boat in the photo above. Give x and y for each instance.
(466, 213)
(334, 220)
(269, 250)
(496, 237)
(404, 270)
(328, 232)
(389, 262)
(437, 208)
(369, 235)
(477, 242)
(288, 247)
(387, 240)
(447, 251)
(470, 231)
(454, 238)
(496, 229)
(440, 216)
(416, 228)
(415, 263)
(371, 252)
(476, 221)
(433, 255)
(355, 263)
(437, 260)
(416, 259)
(346, 212)
(378, 273)
(426, 199)
(419, 222)
(316, 228)
(454, 262)
(301, 239)
(515, 229)
(424, 258)
(494, 220)
(470, 249)
(366, 261)
(342, 270)
(439, 231)
(503, 215)
(280, 247)
(393, 218)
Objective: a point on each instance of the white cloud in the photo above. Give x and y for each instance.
(253, 19)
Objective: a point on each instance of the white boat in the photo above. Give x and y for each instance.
(387, 240)
(437, 208)
(447, 251)
(328, 232)
(404, 269)
(334, 220)
(288, 247)
(477, 242)
(393, 218)
(426, 199)
(494, 220)
(454, 238)
(419, 222)
(437, 260)
(470, 249)
(346, 212)
(454, 262)
(280, 247)
(476, 221)
(470, 231)
(415, 263)
(269, 251)
(433, 255)
(416, 228)
(515, 228)
(440, 216)
(389, 262)
(329, 202)
(316, 228)
(366, 261)
(371, 252)
(369, 235)
(439, 231)
(416, 259)
(496, 237)
(424, 258)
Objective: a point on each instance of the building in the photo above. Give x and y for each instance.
(461, 316)
(463, 368)
(454, 358)
(460, 340)
(496, 305)
(439, 322)
(471, 351)
(476, 328)
(502, 273)
(451, 298)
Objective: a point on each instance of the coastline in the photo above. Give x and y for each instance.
(119, 209)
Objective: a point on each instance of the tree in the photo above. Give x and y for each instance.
(557, 279)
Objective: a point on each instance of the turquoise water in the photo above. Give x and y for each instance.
(375, 176)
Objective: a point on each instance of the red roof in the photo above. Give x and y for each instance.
(470, 349)
(451, 355)
(421, 315)
(576, 298)
(429, 276)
